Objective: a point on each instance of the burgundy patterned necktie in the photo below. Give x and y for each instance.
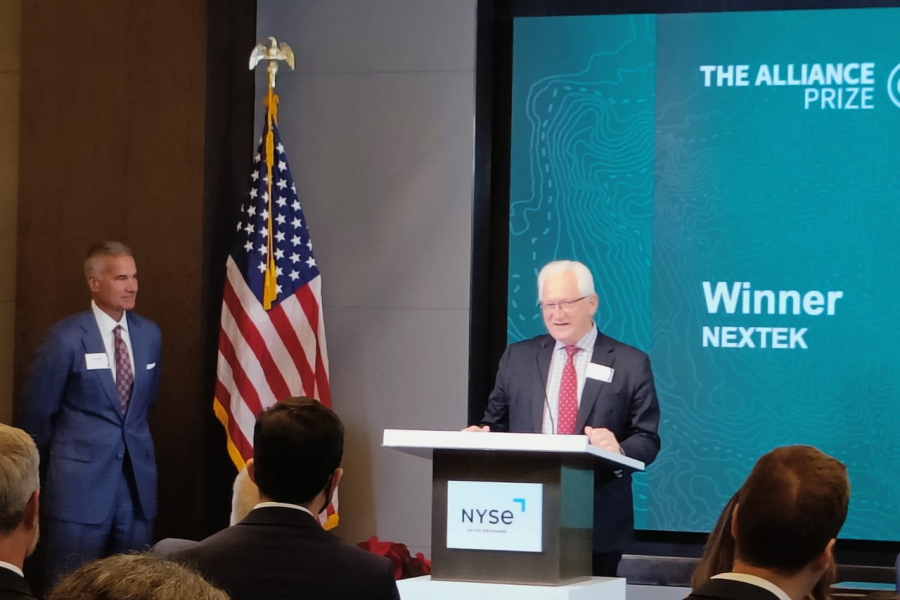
(568, 394)
(124, 374)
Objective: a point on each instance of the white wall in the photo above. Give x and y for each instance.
(378, 124)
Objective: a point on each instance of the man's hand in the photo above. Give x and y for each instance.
(481, 428)
(603, 438)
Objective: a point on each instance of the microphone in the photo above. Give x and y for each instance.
(544, 343)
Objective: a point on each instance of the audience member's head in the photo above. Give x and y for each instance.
(19, 495)
(134, 577)
(245, 495)
(297, 448)
(789, 513)
(718, 556)
(718, 553)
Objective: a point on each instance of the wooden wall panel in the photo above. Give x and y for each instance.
(10, 29)
(112, 146)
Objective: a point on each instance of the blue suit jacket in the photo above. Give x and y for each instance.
(75, 418)
(627, 406)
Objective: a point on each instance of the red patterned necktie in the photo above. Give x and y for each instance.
(568, 394)
(124, 374)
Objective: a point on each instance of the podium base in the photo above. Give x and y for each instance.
(597, 588)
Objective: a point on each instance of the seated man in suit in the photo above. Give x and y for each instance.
(787, 517)
(19, 491)
(135, 577)
(576, 380)
(279, 551)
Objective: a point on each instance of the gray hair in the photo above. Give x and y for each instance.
(135, 577)
(558, 267)
(103, 249)
(19, 475)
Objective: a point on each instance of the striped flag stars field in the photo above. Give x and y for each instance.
(272, 338)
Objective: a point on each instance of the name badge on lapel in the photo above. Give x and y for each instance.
(600, 372)
(95, 361)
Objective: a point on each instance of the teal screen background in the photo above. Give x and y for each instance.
(621, 158)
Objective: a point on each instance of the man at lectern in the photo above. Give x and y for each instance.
(578, 381)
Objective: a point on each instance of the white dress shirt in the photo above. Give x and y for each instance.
(13, 568)
(581, 360)
(107, 325)
(754, 580)
(286, 505)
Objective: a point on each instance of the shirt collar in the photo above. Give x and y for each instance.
(585, 343)
(754, 580)
(284, 505)
(106, 322)
(11, 567)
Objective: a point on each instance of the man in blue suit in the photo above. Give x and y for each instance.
(91, 385)
(576, 380)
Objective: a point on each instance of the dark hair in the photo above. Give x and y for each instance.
(297, 444)
(718, 556)
(793, 503)
(718, 553)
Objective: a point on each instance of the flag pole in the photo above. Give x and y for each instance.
(273, 53)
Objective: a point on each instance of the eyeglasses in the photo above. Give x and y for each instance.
(564, 305)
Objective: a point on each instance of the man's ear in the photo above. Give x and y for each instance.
(336, 479)
(594, 302)
(251, 471)
(32, 510)
(823, 560)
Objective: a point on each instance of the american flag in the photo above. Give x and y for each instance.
(272, 339)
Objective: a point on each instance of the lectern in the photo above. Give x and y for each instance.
(511, 508)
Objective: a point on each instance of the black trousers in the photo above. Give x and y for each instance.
(605, 564)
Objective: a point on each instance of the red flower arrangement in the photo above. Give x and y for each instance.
(405, 565)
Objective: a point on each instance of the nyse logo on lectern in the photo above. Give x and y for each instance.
(490, 515)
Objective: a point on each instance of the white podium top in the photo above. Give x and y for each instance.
(425, 588)
(423, 442)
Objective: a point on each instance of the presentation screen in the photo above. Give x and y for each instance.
(731, 179)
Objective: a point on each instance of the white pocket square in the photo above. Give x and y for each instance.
(150, 366)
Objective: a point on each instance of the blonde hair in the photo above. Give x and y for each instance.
(19, 475)
(244, 497)
(135, 577)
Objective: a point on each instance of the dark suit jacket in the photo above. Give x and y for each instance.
(724, 589)
(170, 546)
(627, 406)
(13, 586)
(75, 418)
(280, 553)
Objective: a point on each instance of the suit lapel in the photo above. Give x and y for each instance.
(543, 357)
(602, 355)
(139, 350)
(93, 344)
